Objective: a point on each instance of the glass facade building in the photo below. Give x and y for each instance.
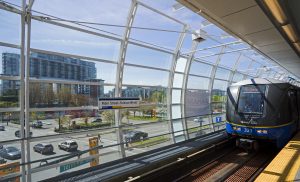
(57, 63)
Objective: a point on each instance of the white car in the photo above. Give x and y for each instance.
(68, 145)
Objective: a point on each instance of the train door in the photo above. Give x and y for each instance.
(298, 106)
(293, 106)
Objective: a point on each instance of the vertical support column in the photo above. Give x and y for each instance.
(248, 69)
(171, 80)
(27, 75)
(119, 76)
(184, 87)
(211, 83)
(234, 69)
(22, 89)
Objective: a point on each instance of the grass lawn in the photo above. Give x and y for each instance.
(145, 118)
(150, 141)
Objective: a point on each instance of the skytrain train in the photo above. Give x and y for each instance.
(262, 110)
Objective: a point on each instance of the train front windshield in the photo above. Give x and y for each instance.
(251, 99)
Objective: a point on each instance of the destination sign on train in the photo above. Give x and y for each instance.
(118, 103)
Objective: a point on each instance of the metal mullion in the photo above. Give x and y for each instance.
(161, 13)
(22, 89)
(212, 47)
(27, 89)
(221, 53)
(120, 70)
(10, 109)
(35, 109)
(15, 78)
(184, 86)
(154, 86)
(72, 55)
(10, 8)
(34, 80)
(41, 19)
(211, 83)
(203, 61)
(146, 67)
(199, 76)
(4, 44)
(176, 55)
(248, 69)
(234, 69)
(149, 47)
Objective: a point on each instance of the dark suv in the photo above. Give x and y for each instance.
(18, 134)
(135, 136)
(43, 148)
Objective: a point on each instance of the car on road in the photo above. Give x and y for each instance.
(18, 134)
(2, 160)
(43, 148)
(2, 128)
(37, 124)
(98, 120)
(135, 136)
(11, 153)
(68, 145)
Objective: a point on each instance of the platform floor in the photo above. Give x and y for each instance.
(285, 166)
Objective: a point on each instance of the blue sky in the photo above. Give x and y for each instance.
(58, 39)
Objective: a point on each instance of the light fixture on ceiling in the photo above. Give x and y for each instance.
(290, 32)
(199, 35)
(277, 11)
(280, 16)
(297, 45)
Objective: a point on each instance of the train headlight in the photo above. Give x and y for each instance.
(262, 131)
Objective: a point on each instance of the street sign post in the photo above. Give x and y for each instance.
(93, 142)
(9, 168)
(73, 165)
(218, 119)
(118, 103)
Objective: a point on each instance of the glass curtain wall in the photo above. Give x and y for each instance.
(57, 63)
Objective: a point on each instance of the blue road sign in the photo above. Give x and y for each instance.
(218, 119)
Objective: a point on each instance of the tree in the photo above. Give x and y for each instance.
(108, 116)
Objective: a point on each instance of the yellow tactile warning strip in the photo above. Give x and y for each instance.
(285, 165)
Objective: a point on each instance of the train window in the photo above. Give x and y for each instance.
(251, 99)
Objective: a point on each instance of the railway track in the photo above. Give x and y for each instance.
(237, 165)
(222, 163)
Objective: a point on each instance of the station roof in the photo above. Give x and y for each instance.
(257, 24)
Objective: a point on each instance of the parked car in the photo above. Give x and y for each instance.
(37, 124)
(69, 145)
(2, 160)
(43, 148)
(2, 128)
(17, 133)
(135, 136)
(11, 153)
(98, 120)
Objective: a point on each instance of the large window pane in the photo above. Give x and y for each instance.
(219, 96)
(148, 18)
(200, 69)
(229, 59)
(176, 96)
(181, 64)
(54, 38)
(10, 24)
(197, 102)
(197, 83)
(66, 95)
(222, 74)
(178, 79)
(143, 76)
(148, 57)
(89, 12)
(50, 66)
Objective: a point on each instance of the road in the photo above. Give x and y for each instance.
(108, 154)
